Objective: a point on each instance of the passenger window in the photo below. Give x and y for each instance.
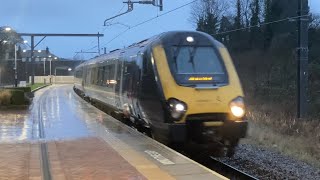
(101, 76)
(94, 74)
(109, 75)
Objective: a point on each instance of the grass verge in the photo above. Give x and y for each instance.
(298, 138)
(36, 85)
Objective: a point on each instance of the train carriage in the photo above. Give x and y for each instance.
(179, 86)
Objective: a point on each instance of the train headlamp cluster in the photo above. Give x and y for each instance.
(237, 107)
(177, 108)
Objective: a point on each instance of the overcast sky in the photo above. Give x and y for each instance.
(87, 16)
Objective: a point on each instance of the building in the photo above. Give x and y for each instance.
(45, 64)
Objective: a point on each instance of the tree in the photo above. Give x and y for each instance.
(237, 19)
(7, 41)
(268, 34)
(204, 8)
(201, 24)
(246, 13)
(255, 34)
(225, 26)
(239, 37)
(209, 24)
(255, 10)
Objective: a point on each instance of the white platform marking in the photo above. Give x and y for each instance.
(157, 156)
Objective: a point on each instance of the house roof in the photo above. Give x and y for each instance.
(37, 53)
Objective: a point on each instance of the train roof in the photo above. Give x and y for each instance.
(142, 44)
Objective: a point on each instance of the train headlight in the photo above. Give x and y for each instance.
(237, 107)
(177, 108)
(180, 107)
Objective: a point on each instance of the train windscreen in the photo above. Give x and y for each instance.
(197, 65)
(196, 60)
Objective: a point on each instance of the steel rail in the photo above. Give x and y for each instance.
(46, 174)
(227, 170)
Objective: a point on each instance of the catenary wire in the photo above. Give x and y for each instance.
(148, 20)
(225, 32)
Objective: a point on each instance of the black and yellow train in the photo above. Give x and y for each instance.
(181, 86)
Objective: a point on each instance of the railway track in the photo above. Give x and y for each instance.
(227, 170)
(45, 165)
(205, 158)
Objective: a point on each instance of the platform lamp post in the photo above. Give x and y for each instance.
(8, 29)
(15, 64)
(55, 58)
(44, 66)
(50, 60)
(0, 76)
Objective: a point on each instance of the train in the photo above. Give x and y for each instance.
(179, 86)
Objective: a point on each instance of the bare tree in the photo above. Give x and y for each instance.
(201, 8)
(246, 13)
(315, 21)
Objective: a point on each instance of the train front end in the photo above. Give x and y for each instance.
(203, 94)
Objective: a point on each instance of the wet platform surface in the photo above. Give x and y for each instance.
(83, 143)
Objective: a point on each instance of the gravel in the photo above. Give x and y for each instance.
(263, 163)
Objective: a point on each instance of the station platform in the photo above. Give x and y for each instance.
(62, 137)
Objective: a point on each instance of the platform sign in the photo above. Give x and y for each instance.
(159, 157)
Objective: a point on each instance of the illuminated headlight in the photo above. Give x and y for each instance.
(190, 39)
(237, 107)
(177, 108)
(180, 107)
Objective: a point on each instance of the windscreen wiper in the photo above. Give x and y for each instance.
(176, 53)
(192, 52)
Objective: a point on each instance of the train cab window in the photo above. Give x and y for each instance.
(197, 60)
(191, 65)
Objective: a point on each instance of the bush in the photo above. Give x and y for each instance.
(17, 97)
(5, 97)
(24, 89)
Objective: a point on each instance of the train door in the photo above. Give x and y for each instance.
(134, 83)
(118, 72)
(127, 87)
(82, 70)
(135, 88)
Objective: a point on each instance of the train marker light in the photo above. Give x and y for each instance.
(190, 39)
